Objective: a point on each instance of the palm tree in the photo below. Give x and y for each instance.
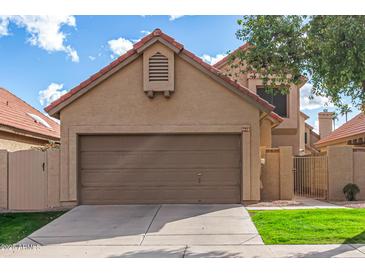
(345, 109)
(334, 118)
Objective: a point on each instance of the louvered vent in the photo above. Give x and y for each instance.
(158, 68)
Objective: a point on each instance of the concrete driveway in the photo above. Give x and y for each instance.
(145, 231)
(162, 231)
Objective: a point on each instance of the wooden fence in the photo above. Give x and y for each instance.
(29, 179)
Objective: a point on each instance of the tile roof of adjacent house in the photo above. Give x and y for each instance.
(18, 115)
(353, 127)
(179, 48)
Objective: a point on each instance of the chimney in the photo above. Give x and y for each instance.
(325, 123)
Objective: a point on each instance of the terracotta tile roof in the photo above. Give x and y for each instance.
(180, 48)
(353, 127)
(275, 116)
(226, 58)
(16, 113)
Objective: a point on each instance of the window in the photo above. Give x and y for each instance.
(278, 100)
(305, 138)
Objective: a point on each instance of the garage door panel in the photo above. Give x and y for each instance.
(160, 177)
(153, 195)
(160, 159)
(194, 168)
(157, 142)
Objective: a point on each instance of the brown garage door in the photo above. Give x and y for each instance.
(125, 169)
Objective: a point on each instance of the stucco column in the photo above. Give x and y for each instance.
(3, 179)
(286, 173)
(265, 134)
(340, 170)
(246, 164)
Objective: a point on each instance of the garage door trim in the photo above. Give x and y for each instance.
(239, 152)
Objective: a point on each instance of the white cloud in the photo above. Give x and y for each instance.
(51, 93)
(145, 32)
(212, 59)
(4, 24)
(72, 54)
(92, 58)
(119, 46)
(45, 31)
(307, 103)
(174, 17)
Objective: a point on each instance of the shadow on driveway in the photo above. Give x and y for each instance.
(171, 224)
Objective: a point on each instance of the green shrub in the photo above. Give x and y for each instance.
(350, 191)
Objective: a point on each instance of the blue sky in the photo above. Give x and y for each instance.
(43, 57)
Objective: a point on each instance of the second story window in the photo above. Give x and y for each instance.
(305, 138)
(280, 101)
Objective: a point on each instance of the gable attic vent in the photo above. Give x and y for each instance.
(158, 68)
(158, 71)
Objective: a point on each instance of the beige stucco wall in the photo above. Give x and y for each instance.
(14, 142)
(359, 171)
(302, 130)
(284, 137)
(277, 174)
(271, 176)
(265, 133)
(313, 138)
(345, 165)
(325, 123)
(199, 104)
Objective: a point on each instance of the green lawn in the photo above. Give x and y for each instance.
(310, 226)
(16, 226)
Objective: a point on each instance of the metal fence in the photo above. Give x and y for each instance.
(311, 176)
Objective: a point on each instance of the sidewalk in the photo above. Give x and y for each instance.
(202, 251)
(296, 203)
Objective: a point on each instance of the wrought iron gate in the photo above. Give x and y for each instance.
(311, 176)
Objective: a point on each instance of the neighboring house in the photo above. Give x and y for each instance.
(310, 138)
(22, 126)
(306, 145)
(291, 131)
(352, 133)
(159, 125)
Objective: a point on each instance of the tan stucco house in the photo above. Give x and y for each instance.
(159, 125)
(22, 126)
(292, 130)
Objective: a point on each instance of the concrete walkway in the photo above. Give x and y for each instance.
(163, 231)
(296, 203)
(181, 251)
